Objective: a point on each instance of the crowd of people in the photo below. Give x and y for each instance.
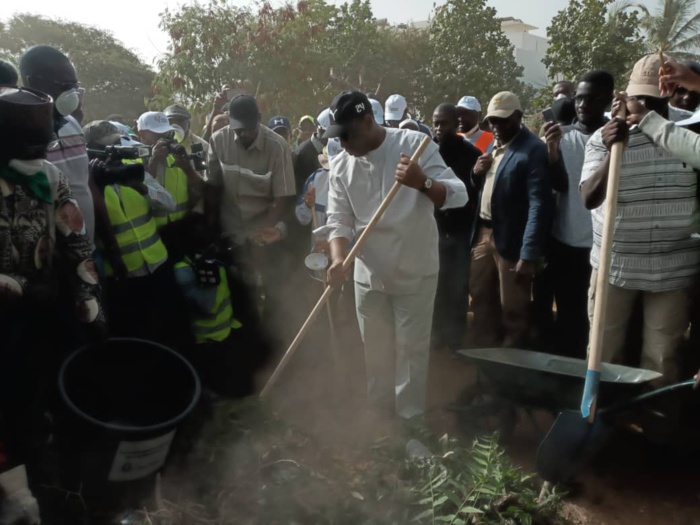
(119, 228)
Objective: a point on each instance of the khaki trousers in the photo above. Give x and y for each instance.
(500, 301)
(666, 319)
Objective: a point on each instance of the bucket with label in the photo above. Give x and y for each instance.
(124, 400)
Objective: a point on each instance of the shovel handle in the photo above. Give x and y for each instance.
(595, 355)
(346, 266)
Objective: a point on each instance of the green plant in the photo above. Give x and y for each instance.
(477, 485)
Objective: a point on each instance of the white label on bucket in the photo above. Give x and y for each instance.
(137, 459)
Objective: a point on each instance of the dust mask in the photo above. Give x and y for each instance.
(67, 102)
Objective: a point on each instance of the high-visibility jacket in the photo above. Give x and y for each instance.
(217, 323)
(175, 182)
(135, 230)
(485, 142)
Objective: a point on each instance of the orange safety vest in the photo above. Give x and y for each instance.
(484, 141)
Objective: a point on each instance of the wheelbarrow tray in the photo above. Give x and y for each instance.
(540, 380)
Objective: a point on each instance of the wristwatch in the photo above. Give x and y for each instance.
(427, 185)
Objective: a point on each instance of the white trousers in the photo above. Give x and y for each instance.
(396, 334)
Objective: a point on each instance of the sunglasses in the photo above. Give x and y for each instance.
(63, 86)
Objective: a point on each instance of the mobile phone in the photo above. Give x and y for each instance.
(548, 115)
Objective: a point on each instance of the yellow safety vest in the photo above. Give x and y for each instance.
(175, 182)
(218, 323)
(135, 230)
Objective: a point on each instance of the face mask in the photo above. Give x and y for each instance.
(67, 102)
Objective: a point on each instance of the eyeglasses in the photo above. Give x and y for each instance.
(63, 86)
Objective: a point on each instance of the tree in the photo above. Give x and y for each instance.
(592, 34)
(674, 26)
(469, 54)
(114, 78)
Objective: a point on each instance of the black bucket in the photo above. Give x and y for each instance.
(125, 400)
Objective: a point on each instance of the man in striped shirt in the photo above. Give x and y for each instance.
(48, 70)
(652, 254)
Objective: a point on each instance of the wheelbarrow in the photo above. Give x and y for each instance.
(509, 379)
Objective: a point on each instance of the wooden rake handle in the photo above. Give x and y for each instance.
(346, 266)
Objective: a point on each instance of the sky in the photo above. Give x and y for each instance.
(136, 24)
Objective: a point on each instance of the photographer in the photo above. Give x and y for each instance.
(181, 119)
(170, 165)
(140, 287)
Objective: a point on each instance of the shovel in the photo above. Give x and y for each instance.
(573, 441)
(346, 266)
(585, 421)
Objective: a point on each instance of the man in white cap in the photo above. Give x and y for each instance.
(378, 111)
(469, 114)
(174, 171)
(512, 226)
(396, 112)
(654, 257)
(396, 272)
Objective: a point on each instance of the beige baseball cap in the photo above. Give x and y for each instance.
(644, 80)
(503, 105)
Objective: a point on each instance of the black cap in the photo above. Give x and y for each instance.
(346, 107)
(244, 112)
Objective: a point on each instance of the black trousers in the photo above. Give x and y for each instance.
(569, 270)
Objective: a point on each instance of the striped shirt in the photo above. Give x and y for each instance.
(250, 179)
(657, 211)
(69, 155)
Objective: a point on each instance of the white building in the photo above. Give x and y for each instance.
(529, 50)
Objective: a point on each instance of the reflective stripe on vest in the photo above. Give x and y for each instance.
(135, 230)
(217, 325)
(485, 142)
(175, 182)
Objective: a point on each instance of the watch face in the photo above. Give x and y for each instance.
(428, 184)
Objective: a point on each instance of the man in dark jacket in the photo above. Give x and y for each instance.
(306, 155)
(513, 222)
(455, 227)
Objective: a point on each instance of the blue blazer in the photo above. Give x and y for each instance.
(522, 201)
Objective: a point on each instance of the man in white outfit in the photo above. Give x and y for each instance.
(397, 269)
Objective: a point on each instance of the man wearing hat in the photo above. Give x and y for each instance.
(469, 113)
(512, 226)
(307, 127)
(281, 126)
(396, 273)
(173, 171)
(396, 112)
(306, 155)
(181, 119)
(654, 257)
(49, 290)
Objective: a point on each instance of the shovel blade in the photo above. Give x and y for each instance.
(569, 445)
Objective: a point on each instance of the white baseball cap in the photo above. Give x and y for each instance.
(324, 119)
(378, 111)
(470, 103)
(154, 121)
(395, 107)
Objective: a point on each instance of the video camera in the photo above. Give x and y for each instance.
(113, 171)
(197, 156)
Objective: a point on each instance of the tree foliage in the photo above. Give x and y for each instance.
(592, 34)
(469, 52)
(114, 78)
(297, 57)
(673, 26)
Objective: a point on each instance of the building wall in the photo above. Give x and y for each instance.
(529, 52)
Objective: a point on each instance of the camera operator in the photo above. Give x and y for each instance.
(49, 291)
(170, 165)
(140, 288)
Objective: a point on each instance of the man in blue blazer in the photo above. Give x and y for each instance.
(512, 226)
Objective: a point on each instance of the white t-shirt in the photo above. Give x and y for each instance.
(403, 248)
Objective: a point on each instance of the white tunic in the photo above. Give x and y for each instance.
(403, 248)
